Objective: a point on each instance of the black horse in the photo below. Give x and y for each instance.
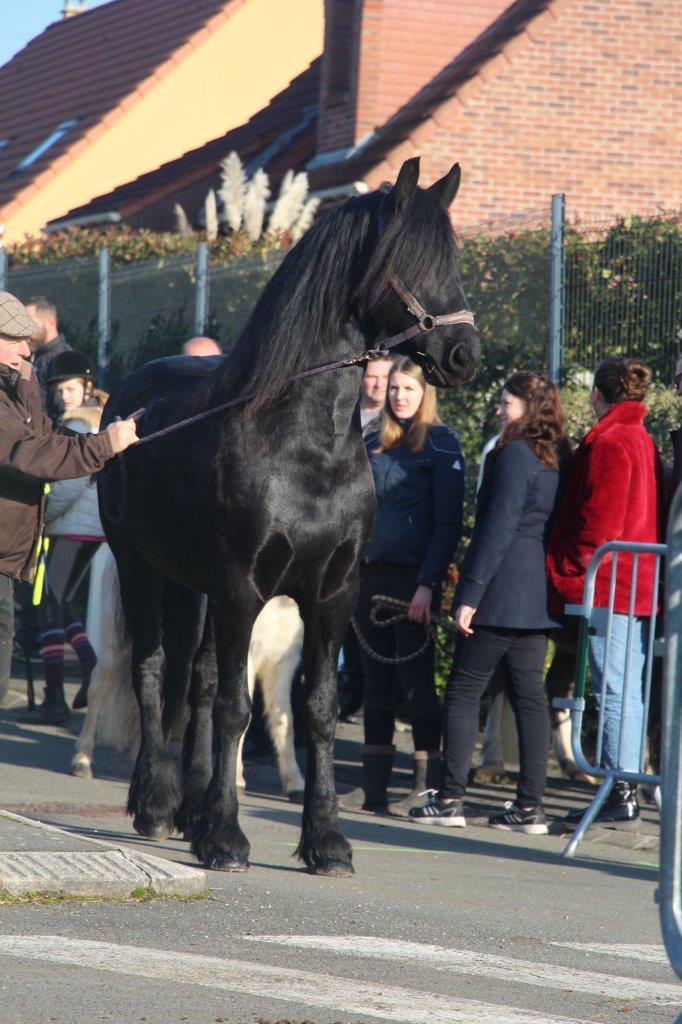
(273, 496)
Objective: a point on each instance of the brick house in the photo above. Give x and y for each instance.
(533, 97)
(101, 97)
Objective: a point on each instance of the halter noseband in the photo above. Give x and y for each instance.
(425, 321)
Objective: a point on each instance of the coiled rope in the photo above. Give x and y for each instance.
(386, 611)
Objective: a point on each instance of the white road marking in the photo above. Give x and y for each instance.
(386, 1002)
(486, 965)
(630, 951)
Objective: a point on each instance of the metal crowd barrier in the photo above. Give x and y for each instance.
(576, 704)
(670, 889)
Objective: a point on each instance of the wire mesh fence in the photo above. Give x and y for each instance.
(73, 287)
(621, 294)
(152, 313)
(233, 290)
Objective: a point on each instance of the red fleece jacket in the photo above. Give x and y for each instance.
(614, 492)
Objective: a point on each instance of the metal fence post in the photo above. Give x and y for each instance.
(670, 876)
(104, 318)
(201, 303)
(4, 263)
(556, 288)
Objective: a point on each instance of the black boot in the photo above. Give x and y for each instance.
(377, 765)
(426, 768)
(81, 698)
(53, 711)
(621, 810)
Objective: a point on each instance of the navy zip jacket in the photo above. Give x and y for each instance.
(503, 573)
(420, 497)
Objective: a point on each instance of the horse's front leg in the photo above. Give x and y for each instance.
(219, 842)
(323, 848)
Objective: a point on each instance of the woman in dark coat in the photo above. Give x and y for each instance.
(418, 473)
(501, 603)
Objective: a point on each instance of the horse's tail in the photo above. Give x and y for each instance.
(118, 724)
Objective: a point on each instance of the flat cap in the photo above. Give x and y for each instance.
(14, 320)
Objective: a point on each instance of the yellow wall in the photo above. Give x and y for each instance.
(224, 81)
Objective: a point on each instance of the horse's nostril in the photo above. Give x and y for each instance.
(457, 357)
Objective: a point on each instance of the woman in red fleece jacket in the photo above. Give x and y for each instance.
(614, 492)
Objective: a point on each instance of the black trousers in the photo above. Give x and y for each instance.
(382, 681)
(476, 658)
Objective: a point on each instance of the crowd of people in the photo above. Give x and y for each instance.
(542, 511)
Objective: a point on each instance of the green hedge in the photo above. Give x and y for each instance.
(134, 245)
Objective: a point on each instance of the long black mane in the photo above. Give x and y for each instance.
(329, 276)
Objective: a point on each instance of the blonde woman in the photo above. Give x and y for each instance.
(418, 473)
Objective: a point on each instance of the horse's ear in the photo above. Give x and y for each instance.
(404, 188)
(446, 188)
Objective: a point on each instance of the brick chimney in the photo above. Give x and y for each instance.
(72, 7)
(379, 53)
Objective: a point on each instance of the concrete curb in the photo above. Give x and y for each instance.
(103, 870)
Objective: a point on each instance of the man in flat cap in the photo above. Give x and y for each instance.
(33, 451)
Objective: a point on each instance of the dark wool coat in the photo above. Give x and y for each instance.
(503, 572)
(420, 498)
(615, 491)
(32, 451)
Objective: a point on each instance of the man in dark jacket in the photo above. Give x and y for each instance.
(33, 451)
(46, 343)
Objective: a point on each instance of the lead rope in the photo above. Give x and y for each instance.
(384, 603)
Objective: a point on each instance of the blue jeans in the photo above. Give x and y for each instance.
(619, 704)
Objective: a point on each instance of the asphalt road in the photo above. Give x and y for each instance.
(473, 926)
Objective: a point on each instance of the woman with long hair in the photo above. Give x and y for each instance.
(615, 491)
(418, 473)
(501, 603)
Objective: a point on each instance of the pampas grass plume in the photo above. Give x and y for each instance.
(232, 190)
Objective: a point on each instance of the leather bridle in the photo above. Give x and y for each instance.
(425, 321)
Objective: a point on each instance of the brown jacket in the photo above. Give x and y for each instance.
(33, 451)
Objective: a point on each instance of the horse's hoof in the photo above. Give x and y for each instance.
(296, 796)
(333, 869)
(81, 770)
(225, 862)
(151, 831)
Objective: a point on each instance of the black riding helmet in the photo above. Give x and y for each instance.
(69, 365)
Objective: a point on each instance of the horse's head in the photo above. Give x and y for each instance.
(415, 280)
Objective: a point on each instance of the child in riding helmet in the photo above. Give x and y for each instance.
(73, 527)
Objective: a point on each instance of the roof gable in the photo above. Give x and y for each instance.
(80, 69)
(280, 136)
(439, 91)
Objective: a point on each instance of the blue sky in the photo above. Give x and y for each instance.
(22, 21)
